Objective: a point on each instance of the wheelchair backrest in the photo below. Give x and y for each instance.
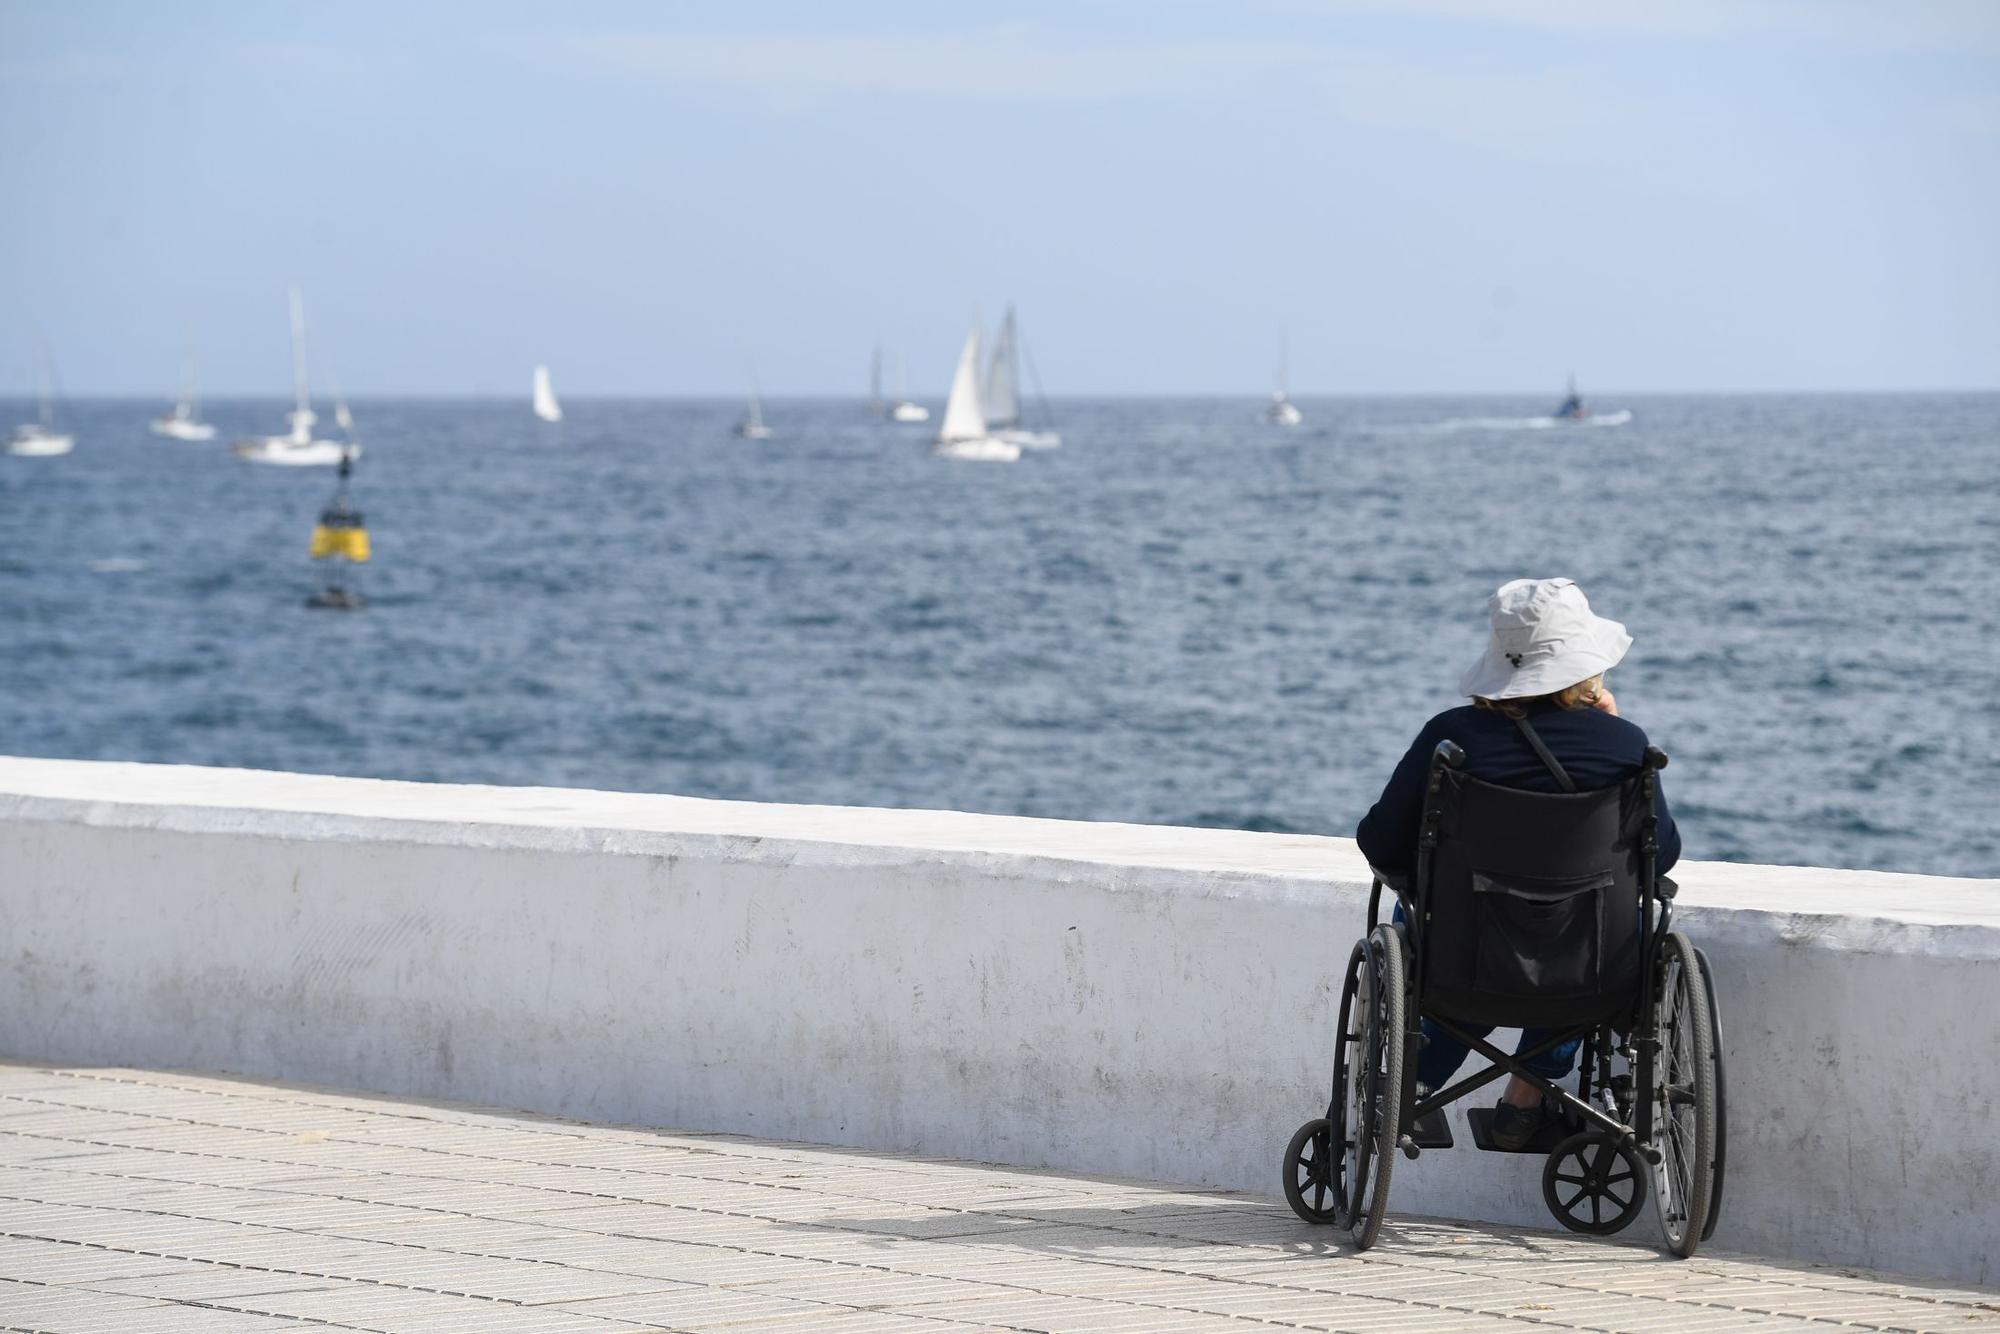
(1530, 904)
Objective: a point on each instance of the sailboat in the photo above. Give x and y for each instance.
(184, 422)
(546, 406)
(1003, 392)
(963, 433)
(1281, 410)
(899, 409)
(296, 448)
(752, 426)
(40, 438)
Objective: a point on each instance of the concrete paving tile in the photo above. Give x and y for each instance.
(70, 1310)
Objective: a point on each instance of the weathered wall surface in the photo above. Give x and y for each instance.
(1106, 998)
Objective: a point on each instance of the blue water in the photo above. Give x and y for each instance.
(1181, 616)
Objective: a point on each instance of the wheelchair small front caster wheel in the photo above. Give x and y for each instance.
(1312, 1174)
(1593, 1182)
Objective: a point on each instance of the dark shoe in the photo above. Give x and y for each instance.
(1514, 1128)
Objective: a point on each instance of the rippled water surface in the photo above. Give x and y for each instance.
(1181, 616)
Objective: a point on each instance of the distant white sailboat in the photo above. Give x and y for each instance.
(1282, 412)
(40, 438)
(296, 448)
(752, 426)
(1003, 392)
(900, 408)
(546, 406)
(184, 422)
(963, 434)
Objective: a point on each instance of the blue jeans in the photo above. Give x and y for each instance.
(1443, 1054)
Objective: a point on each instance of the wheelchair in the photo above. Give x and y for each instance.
(1529, 909)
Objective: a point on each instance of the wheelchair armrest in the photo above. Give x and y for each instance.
(1397, 881)
(1666, 887)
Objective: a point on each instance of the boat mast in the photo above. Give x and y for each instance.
(302, 417)
(875, 380)
(1035, 377)
(42, 380)
(298, 350)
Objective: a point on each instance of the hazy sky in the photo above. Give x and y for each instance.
(1438, 195)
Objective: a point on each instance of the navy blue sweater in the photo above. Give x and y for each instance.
(1596, 749)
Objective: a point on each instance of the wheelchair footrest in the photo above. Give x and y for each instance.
(1432, 1131)
(1553, 1132)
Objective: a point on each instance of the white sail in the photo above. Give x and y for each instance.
(1003, 378)
(546, 406)
(964, 415)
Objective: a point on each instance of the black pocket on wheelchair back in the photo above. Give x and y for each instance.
(1539, 937)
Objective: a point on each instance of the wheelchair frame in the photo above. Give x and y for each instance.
(1613, 1135)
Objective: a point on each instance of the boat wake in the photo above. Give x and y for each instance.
(1454, 425)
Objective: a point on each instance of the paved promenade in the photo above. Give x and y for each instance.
(142, 1201)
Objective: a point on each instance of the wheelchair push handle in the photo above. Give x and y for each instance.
(1655, 758)
(1452, 755)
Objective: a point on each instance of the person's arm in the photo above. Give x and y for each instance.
(1388, 833)
(1665, 833)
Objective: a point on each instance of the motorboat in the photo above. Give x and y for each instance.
(1571, 409)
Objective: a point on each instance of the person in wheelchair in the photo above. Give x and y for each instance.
(1541, 720)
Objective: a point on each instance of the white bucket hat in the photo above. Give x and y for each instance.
(1545, 637)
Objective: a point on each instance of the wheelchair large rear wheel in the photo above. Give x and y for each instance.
(1685, 1107)
(1373, 1094)
(1721, 1097)
(1337, 1167)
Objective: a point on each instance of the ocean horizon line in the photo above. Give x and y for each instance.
(1599, 395)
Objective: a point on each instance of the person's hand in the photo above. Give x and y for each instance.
(1606, 702)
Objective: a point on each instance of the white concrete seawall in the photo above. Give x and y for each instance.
(1145, 1001)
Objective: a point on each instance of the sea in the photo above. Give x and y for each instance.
(1181, 616)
